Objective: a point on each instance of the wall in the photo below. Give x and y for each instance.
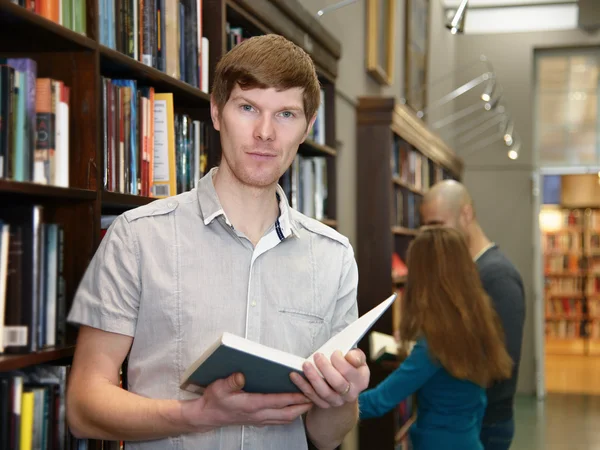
(502, 188)
(348, 24)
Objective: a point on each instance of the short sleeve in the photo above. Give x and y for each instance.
(346, 308)
(109, 294)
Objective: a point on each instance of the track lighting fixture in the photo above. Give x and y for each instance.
(457, 23)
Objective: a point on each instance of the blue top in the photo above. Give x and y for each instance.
(450, 411)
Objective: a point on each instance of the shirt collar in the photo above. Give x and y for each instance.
(211, 208)
(483, 250)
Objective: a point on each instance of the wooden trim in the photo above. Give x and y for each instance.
(311, 147)
(403, 231)
(279, 22)
(10, 362)
(302, 17)
(116, 64)
(38, 191)
(407, 125)
(35, 32)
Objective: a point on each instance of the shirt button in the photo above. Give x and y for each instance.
(253, 303)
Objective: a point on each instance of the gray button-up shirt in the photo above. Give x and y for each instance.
(175, 274)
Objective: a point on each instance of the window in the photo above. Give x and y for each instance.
(566, 110)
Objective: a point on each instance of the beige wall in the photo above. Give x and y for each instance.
(502, 188)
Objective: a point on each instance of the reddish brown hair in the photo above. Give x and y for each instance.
(269, 61)
(446, 304)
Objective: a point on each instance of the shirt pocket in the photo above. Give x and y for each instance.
(300, 329)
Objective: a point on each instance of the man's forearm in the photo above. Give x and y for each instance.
(105, 411)
(326, 428)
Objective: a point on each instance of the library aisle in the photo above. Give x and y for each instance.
(561, 422)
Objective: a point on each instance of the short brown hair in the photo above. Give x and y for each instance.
(446, 304)
(269, 61)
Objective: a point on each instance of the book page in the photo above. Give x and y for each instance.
(349, 336)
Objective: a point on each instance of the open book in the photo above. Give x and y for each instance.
(267, 370)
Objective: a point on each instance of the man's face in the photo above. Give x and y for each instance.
(435, 212)
(261, 130)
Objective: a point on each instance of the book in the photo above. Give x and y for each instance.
(267, 370)
(382, 347)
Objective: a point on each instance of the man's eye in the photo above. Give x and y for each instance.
(247, 107)
(287, 114)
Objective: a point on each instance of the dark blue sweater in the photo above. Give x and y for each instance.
(503, 284)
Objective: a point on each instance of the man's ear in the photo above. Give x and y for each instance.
(309, 127)
(467, 212)
(214, 114)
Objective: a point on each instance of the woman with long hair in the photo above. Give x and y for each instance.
(458, 346)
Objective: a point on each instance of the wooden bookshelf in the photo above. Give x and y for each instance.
(81, 61)
(47, 355)
(386, 128)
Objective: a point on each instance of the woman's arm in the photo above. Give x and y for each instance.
(404, 381)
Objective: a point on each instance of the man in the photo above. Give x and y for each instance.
(170, 277)
(448, 203)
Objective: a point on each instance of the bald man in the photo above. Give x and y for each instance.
(449, 203)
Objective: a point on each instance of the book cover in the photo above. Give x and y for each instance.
(266, 369)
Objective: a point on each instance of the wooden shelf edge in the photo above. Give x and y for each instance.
(45, 190)
(124, 201)
(313, 147)
(36, 20)
(404, 231)
(152, 75)
(15, 362)
(398, 181)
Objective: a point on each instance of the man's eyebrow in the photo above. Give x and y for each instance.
(284, 108)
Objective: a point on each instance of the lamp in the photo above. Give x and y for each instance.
(334, 7)
(457, 23)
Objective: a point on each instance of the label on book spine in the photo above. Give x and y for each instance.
(15, 336)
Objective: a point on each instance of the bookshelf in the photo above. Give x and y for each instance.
(82, 57)
(398, 159)
(571, 250)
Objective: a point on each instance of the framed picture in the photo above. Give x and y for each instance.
(416, 51)
(381, 25)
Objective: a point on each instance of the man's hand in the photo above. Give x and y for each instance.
(224, 403)
(344, 379)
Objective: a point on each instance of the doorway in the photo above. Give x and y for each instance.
(568, 287)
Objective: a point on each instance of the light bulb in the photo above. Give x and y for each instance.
(512, 154)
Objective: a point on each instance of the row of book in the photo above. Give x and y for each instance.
(563, 263)
(412, 167)
(148, 149)
(68, 13)
(565, 307)
(33, 410)
(305, 184)
(573, 329)
(32, 282)
(34, 136)
(564, 241)
(405, 208)
(164, 34)
(564, 285)
(565, 329)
